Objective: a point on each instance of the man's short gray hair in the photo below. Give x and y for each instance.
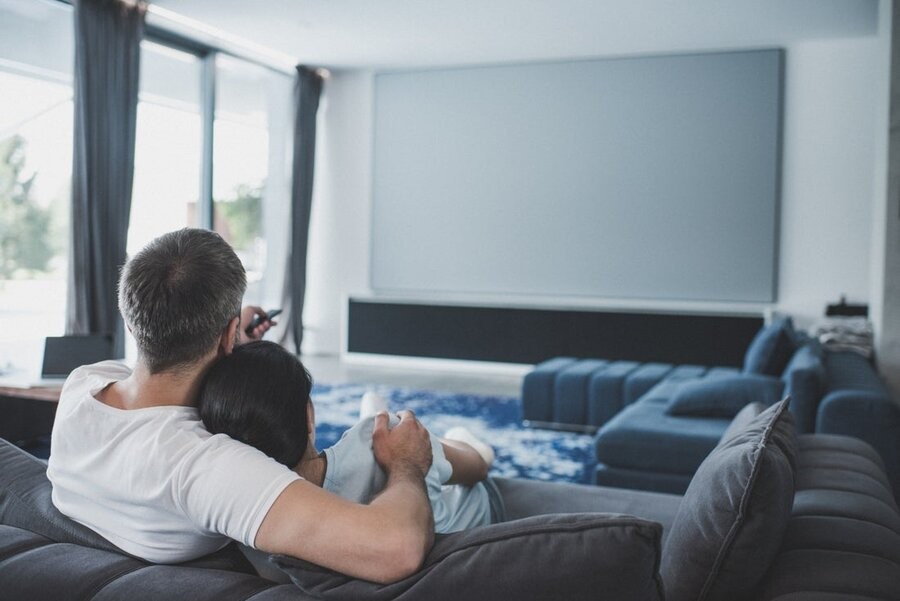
(178, 294)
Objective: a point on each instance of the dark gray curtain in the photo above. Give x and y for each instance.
(308, 90)
(107, 59)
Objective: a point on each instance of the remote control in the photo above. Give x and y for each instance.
(259, 319)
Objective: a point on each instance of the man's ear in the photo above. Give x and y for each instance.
(311, 419)
(229, 336)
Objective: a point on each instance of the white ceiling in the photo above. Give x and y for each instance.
(417, 33)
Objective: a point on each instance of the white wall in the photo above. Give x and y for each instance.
(829, 185)
(338, 261)
(885, 270)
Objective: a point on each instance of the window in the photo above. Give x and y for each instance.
(36, 121)
(168, 151)
(250, 158)
(189, 95)
(250, 187)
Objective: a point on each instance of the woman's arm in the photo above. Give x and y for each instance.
(468, 466)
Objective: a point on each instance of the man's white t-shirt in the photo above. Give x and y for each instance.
(154, 481)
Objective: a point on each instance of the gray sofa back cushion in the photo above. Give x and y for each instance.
(740, 421)
(734, 514)
(844, 533)
(25, 502)
(560, 556)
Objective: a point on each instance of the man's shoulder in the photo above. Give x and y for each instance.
(108, 370)
(111, 367)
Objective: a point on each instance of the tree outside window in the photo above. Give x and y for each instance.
(26, 246)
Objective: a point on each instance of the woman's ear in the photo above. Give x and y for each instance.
(229, 337)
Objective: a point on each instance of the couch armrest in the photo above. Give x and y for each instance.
(804, 381)
(867, 415)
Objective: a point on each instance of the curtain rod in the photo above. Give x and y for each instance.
(196, 36)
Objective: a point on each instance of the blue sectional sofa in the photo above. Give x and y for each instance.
(643, 441)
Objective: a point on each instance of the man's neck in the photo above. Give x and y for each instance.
(142, 389)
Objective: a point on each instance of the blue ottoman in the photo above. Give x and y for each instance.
(606, 391)
(538, 387)
(570, 397)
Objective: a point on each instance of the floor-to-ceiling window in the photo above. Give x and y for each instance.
(241, 161)
(168, 152)
(212, 150)
(36, 65)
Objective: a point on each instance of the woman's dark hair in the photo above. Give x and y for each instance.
(259, 395)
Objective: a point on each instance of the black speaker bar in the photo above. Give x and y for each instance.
(520, 335)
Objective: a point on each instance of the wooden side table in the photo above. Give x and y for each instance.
(27, 413)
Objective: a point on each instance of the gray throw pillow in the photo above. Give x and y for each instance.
(724, 396)
(560, 556)
(740, 421)
(732, 519)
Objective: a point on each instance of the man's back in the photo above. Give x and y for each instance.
(153, 481)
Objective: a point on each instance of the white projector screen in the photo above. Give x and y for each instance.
(651, 178)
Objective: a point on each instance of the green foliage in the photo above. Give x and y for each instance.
(25, 244)
(243, 215)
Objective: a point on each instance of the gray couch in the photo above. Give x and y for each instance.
(839, 538)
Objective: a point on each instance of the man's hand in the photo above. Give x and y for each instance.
(248, 313)
(405, 448)
(384, 541)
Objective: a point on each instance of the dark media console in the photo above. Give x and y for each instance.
(529, 335)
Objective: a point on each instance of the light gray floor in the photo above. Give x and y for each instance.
(329, 369)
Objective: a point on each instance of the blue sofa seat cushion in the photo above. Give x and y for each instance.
(735, 513)
(557, 556)
(725, 396)
(771, 348)
(644, 437)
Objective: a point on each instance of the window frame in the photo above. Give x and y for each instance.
(207, 54)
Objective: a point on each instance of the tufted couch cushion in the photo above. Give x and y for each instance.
(35, 568)
(843, 538)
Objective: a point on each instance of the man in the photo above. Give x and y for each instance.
(131, 459)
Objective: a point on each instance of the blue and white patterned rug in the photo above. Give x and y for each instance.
(521, 452)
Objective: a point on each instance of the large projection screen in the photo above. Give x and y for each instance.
(645, 178)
